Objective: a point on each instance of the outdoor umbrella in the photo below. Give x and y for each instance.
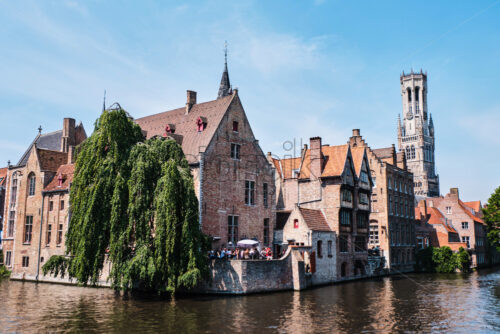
(247, 243)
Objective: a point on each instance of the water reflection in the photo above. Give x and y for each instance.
(417, 303)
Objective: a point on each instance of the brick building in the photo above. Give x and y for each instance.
(462, 222)
(392, 205)
(441, 232)
(25, 205)
(336, 181)
(234, 182)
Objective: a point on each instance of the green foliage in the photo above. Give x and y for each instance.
(135, 199)
(56, 265)
(492, 219)
(442, 260)
(463, 260)
(4, 272)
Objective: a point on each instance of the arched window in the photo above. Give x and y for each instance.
(408, 156)
(13, 191)
(32, 184)
(412, 150)
(408, 92)
(417, 89)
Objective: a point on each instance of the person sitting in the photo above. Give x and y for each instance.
(252, 253)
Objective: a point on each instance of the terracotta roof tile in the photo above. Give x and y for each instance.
(474, 205)
(66, 173)
(436, 217)
(357, 157)
(277, 165)
(315, 220)
(469, 213)
(3, 176)
(51, 160)
(333, 161)
(185, 125)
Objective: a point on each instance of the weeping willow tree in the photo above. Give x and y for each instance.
(134, 199)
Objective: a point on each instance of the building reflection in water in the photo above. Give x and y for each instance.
(416, 303)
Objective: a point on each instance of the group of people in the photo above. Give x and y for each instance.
(242, 254)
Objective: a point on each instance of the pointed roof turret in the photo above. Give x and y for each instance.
(225, 86)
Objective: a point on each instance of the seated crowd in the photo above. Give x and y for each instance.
(242, 254)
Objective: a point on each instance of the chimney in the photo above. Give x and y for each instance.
(454, 192)
(394, 156)
(71, 154)
(191, 100)
(68, 134)
(315, 156)
(355, 133)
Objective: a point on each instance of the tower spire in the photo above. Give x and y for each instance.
(225, 86)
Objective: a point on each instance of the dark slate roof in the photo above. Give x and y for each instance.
(225, 85)
(382, 153)
(48, 141)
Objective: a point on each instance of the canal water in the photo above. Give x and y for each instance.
(413, 303)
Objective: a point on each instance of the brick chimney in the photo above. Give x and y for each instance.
(191, 100)
(454, 192)
(315, 156)
(68, 134)
(355, 133)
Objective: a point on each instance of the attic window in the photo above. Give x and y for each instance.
(235, 126)
(295, 173)
(60, 180)
(201, 123)
(170, 128)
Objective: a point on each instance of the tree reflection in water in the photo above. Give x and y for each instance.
(420, 303)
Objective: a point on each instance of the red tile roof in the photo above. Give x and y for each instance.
(475, 205)
(51, 160)
(315, 220)
(333, 163)
(436, 217)
(470, 214)
(185, 125)
(357, 157)
(66, 173)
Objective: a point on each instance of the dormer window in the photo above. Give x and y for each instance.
(60, 180)
(170, 128)
(235, 126)
(295, 173)
(201, 123)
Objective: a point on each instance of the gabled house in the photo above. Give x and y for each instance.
(309, 228)
(25, 196)
(392, 227)
(234, 182)
(334, 180)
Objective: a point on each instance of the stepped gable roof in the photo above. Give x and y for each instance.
(333, 161)
(357, 157)
(383, 153)
(467, 210)
(474, 205)
(49, 141)
(51, 160)
(186, 125)
(315, 220)
(64, 171)
(400, 156)
(3, 176)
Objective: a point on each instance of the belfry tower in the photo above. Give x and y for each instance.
(416, 134)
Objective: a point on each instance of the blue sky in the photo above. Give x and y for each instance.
(303, 68)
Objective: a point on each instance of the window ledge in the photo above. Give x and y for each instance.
(26, 243)
(330, 255)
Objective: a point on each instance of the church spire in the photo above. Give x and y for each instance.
(225, 86)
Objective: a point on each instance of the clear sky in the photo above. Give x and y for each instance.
(303, 69)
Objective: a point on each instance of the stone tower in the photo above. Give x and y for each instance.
(416, 134)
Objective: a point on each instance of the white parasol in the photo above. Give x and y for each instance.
(247, 243)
